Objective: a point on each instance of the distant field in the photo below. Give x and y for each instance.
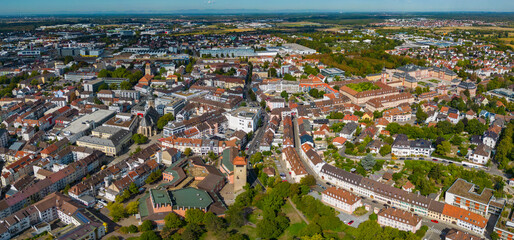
(297, 24)
(238, 30)
(449, 29)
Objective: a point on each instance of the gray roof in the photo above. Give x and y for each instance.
(349, 128)
(421, 143)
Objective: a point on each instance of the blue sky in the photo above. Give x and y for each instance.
(14, 7)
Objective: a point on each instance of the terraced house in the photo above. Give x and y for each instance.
(398, 198)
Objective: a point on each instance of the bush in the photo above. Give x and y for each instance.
(373, 217)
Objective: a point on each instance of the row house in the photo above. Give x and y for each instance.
(341, 199)
(55, 182)
(399, 219)
(136, 176)
(401, 199)
(288, 133)
(55, 206)
(200, 146)
(293, 164)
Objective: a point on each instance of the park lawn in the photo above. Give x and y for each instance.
(251, 232)
(208, 236)
(255, 216)
(292, 231)
(296, 222)
(291, 213)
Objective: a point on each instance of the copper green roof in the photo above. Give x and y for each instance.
(226, 161)
(160, 197)
(191, 198)
(143, 209)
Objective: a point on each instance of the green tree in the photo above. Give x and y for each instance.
(308, 180)
(150, 235)
(443, 148)
(311, 230)
(125, 85)
(116, 211)
(368, 162)
(213, 223)
(284, 95)
(235, 216)
(139, 138)
(132, 207)
(192, 232)
(133, 188)
(103, 86)
(256, 157)
(188, 152)
(456, 140)
(153, 177)
(173, 221)
(421, 116)
(164, 120)
(69, 59)
(270, 228)
(384, 150)
(194, 216)
(147, 225)
(66, 189)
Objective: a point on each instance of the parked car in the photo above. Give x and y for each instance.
(350, 223)
(434, 221)
(434, 160)
(102, 202)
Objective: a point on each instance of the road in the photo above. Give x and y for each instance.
(253, 147)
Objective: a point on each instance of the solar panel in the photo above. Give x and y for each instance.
(82, 218)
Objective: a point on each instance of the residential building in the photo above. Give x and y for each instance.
(341, 199)
(399, 219)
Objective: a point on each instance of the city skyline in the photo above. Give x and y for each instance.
(232, 6)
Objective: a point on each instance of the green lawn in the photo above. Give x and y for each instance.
(360, 211)
(363, 86)
(255, 216)
(250, 231)
(295, 228)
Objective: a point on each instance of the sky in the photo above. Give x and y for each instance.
(16, 7)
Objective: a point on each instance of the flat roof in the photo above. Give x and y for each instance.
(465, 189)
(81, 123)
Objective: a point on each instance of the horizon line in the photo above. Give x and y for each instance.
(221, 12)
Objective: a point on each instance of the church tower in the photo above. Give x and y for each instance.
(240, 172)
(148, 69)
